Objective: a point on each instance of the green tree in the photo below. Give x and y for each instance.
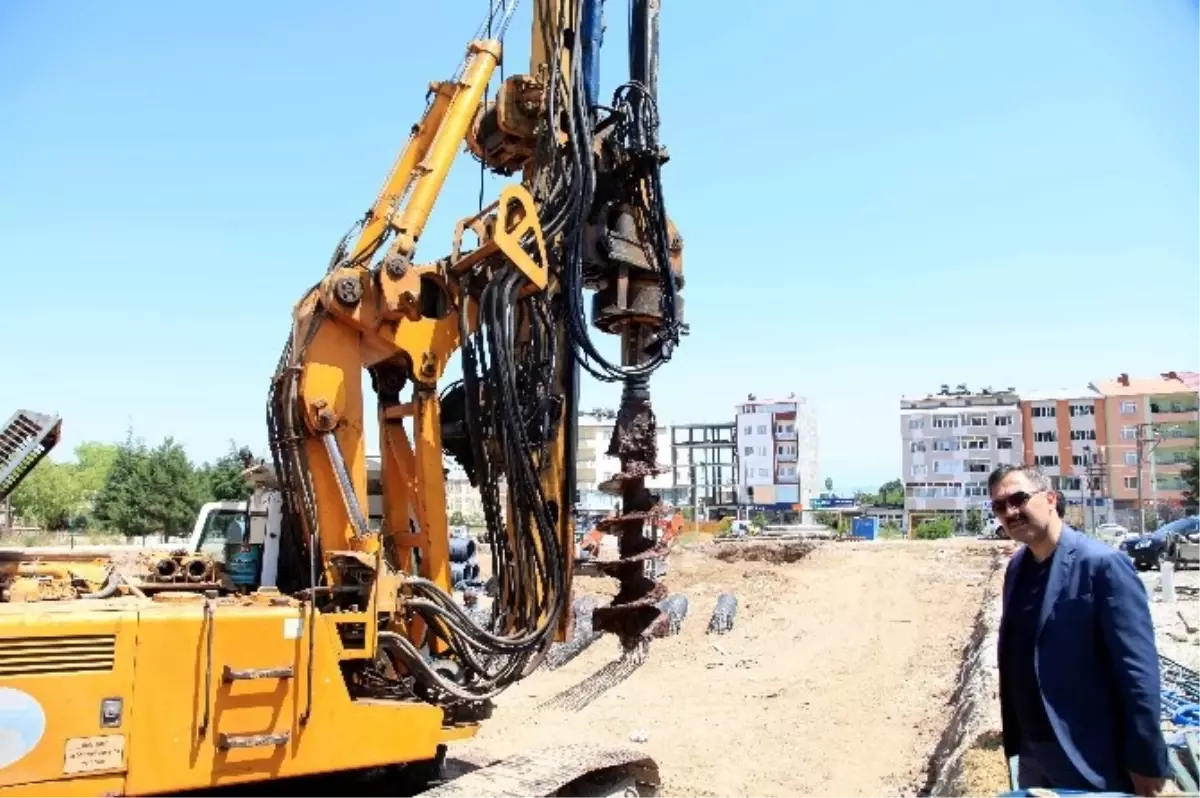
(826, 518)
(121, 503)
(1191, 481)
(974, 522)
(60, 495)
(1149, 519)
(223, 481)
(94, 463)
(50, 496)
(170, 489)
(457, 519)
(935, 528)
(891, 492)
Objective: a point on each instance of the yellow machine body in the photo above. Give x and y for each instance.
(138, 696)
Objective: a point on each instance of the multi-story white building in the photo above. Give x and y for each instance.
(593, 465)
(952, 441)
(777, 452)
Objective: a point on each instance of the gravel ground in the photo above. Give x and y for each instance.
(837, 678)
(1172, 634)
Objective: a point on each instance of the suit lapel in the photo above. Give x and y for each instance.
(1014, 569)
(1059, 572)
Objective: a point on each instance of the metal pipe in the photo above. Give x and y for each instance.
(461, 550)
(592, 35)
(111, 586)
(722, 617)
(676, 608)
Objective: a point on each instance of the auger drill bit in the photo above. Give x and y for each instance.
(633, 616)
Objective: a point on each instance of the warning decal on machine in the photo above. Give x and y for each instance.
(94, 754)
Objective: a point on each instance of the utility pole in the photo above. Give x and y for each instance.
(1087, 476)
(1153, 439)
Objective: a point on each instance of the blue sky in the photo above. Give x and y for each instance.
(876, 198)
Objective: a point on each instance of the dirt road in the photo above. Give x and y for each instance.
(834, 681)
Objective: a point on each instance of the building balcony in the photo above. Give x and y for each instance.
(785, 436)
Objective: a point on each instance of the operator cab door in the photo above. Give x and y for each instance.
(220, 524)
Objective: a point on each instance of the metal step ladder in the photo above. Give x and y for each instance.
(25, 439)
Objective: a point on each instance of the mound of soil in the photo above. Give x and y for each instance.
(765, 551)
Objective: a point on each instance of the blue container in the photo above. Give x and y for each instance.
(865, 527)
(242, 564)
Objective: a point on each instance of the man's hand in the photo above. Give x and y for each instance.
(1147, 785)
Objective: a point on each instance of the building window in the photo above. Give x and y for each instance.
(1094, 483)
(748, 451)
(1169, 482)
(1082, 410)
(1173, 404)
(1130, 458)
(978, 421)
(916, 423)
(762, 429)
(1128, 408)
(1131, 483)
(1045, 437)
(749, 429)
(1004, 443)
(1003, 421)
(944, 422)
(1046, 460)
(977, 467)
(974, 442)
(919, 469)
(945, 467)
(1128, 433)
(976, 489)
(1083, 434)
(1070, 483)
(762, 472)
(917, 446)
(945, 445)
(1042, 411)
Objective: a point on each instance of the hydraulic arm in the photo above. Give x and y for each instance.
(587, 214)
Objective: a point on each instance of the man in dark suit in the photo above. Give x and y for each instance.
(1079, 673)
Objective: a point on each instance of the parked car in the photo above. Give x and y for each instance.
(1149, 550)
(1176, 541)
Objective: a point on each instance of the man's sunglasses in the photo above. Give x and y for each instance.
(1012, 501)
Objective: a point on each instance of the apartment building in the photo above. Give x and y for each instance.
(464, 499)
(1158, 416)
(952, 441)
(1065, 433)
(704, 466)
(593, 466)
(777, 452)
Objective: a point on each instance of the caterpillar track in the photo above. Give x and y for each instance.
(575, 769)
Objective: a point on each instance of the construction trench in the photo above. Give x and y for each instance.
(844, 669)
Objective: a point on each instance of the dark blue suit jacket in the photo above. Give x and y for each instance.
(1096, 662)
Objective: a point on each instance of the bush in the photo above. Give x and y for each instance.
(935, 529)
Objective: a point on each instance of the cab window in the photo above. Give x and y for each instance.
(222, 527)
